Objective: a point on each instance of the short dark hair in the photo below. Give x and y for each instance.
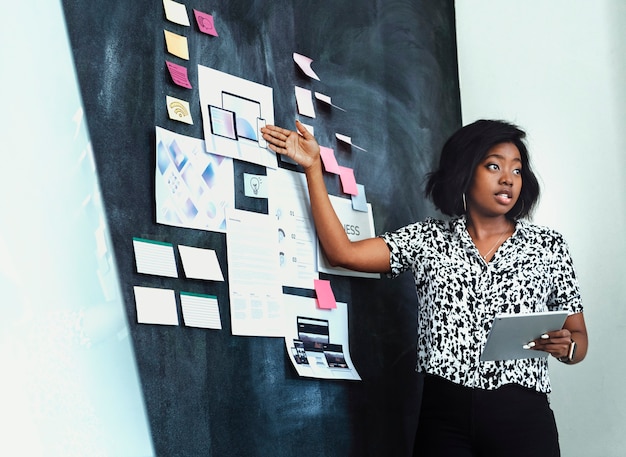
(460, 156)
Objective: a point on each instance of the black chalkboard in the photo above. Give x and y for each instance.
(392, 66)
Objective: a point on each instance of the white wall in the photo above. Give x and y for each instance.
(558, 69)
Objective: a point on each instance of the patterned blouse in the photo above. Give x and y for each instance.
(459, 295)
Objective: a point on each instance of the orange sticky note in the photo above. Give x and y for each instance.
(176, 45)
(348, 182)
(325, 296)
(329, 160)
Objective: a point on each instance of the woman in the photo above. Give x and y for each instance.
(485, 259)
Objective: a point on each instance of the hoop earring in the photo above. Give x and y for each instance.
(464, 203)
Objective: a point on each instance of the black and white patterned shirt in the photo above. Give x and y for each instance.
(459, 294)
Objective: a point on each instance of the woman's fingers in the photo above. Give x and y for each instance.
(299, 145)
(555, 343)
(303, 131)
(276, 137)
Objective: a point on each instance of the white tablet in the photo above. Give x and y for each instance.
(510, 332)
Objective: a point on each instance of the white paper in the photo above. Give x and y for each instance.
(348, 140)
(304, 102)
(176, 12)
(309, 127)
(199, 263)
(359, 225)
(193, 189)
(297, 240)
(304, 63)
(253, 106)
(326, 99)
(155, 306)
(155, 258)
(256, 305)
(319, 364)
(200, 311)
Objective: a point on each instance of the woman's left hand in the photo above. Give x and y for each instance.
(556, 343)
(559, 342)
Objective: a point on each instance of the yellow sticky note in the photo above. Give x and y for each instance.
(177, 45)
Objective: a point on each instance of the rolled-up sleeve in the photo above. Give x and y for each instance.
(565, 293)
(405, 245)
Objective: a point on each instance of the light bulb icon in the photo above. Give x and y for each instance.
(255, 183)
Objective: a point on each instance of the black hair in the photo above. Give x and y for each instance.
(460, 156)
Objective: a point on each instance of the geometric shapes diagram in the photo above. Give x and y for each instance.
(193, 188)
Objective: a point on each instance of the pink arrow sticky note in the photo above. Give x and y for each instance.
(348, 182)
(205, 22)
(178, 74)
(329, 160)
(325, 296)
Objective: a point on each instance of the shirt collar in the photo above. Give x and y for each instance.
(458, 225)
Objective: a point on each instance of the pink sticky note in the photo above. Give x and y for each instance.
(348, 182)
(325, 296)
(205, 23)
(329, 160)
(178, 74)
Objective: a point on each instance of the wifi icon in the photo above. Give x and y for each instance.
(178, 110)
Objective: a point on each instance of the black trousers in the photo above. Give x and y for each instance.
(511, 421)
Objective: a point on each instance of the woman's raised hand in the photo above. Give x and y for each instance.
(301, 147)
